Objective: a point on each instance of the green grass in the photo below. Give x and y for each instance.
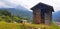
(5, 25)
(52, 26)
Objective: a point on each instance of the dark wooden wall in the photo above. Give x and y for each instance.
(48, 18)
(41, 17)
(37, 16)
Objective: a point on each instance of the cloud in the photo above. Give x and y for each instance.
(30, 3)
(2, 5)
(7, 3)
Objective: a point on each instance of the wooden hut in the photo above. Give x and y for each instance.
(42, 13)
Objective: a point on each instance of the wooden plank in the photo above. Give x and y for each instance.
(48, 18)
(37, 17)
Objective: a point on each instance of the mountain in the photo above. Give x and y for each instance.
(56, 16)
(23, 12)
(19, 11)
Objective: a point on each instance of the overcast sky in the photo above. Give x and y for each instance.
(29, 3)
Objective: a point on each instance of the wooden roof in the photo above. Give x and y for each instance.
(42, 6)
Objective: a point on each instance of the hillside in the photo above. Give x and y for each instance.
(19, 11)
(56, 16)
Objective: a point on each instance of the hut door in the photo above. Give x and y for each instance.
(37, 17)
(47, 19)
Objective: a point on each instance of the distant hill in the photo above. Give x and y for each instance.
(56, 16)
(19, 11)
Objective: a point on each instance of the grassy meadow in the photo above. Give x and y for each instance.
(5, 25)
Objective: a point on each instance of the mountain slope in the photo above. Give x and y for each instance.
(56, 16)
(19, 11)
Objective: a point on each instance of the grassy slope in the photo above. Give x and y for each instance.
(54, 26)
(4, 25)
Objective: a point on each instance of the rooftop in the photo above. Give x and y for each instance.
(43, 7)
